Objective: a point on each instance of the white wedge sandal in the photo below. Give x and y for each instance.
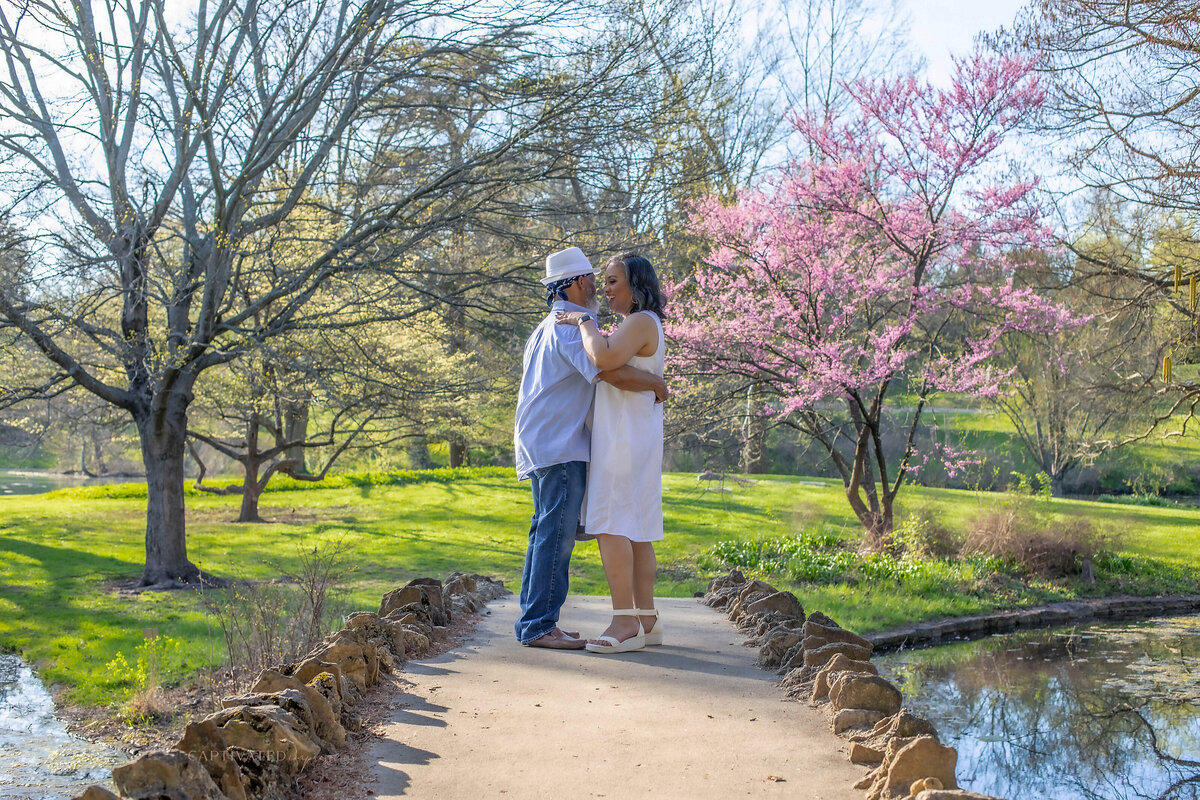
(611, 644)
(654, 636)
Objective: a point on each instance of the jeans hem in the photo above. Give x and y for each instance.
(540, 635)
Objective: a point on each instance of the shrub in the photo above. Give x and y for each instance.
(922, 535)
(1040, 545)
(263, 623)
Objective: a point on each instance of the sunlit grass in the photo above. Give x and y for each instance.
(64, 556)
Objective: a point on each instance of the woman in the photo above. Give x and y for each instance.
(624, 494)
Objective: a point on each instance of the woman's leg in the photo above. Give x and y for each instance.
(616, 553)
(645, 569)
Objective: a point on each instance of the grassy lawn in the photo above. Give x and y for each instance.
(64, 555)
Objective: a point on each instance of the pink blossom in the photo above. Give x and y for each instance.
(888, 255)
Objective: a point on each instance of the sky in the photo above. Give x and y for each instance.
(942, 27)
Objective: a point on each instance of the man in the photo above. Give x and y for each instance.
(553, 444)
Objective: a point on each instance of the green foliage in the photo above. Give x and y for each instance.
(156, 658)
(1154, 500)
(284, 483)
(1036, 485)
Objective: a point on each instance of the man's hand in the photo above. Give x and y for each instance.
(661, 392)
(632, 379)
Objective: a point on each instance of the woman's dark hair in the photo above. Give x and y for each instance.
(647, 294)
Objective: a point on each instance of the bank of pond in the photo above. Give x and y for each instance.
(1104, 711)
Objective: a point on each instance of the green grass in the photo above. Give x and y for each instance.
(64, 555)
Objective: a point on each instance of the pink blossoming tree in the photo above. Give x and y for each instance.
(887, 259)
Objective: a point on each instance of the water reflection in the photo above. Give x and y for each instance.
(39, 481)
(1106, 711)
(39, 759)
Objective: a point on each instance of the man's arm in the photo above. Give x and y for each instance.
(632, 379)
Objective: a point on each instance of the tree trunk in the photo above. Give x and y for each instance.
(458, 453)
(875, 511)
(418, 455)
(163, 437)
(249, 512)
(295, 428)
(754, 457)
(98, 463)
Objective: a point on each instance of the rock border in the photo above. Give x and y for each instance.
(1062, 613)
(257, 745)
(831, 668)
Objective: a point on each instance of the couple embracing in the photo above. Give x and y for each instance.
(586, 397)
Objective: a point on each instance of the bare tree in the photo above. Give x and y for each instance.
(1123, 106)
(1069, 395)
(161, 160)
(828, 44)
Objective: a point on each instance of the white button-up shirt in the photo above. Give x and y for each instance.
(557, 387)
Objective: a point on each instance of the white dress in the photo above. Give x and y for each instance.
(624, 491)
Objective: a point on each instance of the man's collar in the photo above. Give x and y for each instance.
(567, 305)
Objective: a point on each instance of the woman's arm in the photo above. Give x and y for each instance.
(635, 333)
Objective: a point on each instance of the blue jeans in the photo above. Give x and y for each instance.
(557, 497)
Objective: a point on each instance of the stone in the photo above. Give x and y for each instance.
(459, 583)
(326, 684)
(850, 690)
(304, 671)
(906, 761)
(416, 641)
(794, 684)
(204, 740)
(269, 730)
(861, 718)
(361, 639)
(398, 598)
(784, 603)
(383, 649)
(251, 751)
(777, 643)
(383, 634)
(833, 667)
(953, 794)
(754, 590)
(721, 598)
(352, 660)
(817, 618)
(735, 578)
(96, 792)
(773, 620)
(793, 658)
(865, 754)
(425, 594)
(833, 634)
(325, 718)
(489, 588)
(901, 725)
(166, 774)
(295, 702)
(924, 785)
(922, 758)
(470, 592)
(818, 657)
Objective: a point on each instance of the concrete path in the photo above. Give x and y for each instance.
(692, 719)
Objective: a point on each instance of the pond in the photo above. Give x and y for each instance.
(13, 481)
(1104, 711)
(39, 759)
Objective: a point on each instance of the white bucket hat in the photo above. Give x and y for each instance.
(566, 264)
